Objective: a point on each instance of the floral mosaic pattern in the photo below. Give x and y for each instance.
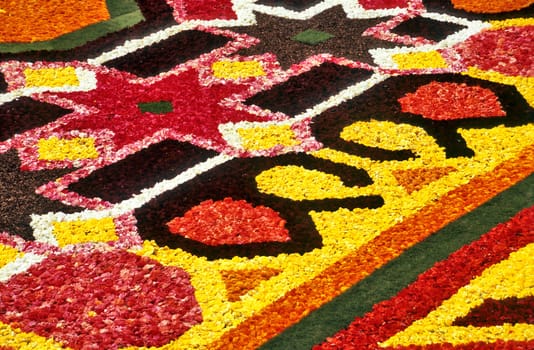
(208, 173)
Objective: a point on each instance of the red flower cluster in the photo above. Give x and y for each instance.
(230, 222)
(448, 101)
(507, 51)
(205, 9)
(383, 4)
(101, 300)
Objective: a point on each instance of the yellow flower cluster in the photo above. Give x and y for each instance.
(298, 183)
(514, 22)
(8, 254)
(237, 70)
(55, 149)
(419, 60)
(266, 137)
(51, 77)
(17, 339)
(83, 231)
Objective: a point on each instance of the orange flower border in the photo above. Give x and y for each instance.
(295, 305)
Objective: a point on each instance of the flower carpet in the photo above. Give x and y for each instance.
(264, 174)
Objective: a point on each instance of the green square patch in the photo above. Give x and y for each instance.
(157, 107)
(312, 37)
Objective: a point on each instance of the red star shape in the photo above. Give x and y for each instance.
(196, 109)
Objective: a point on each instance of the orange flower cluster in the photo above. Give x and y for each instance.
(491, 6)
(238, 282)
(46, 20)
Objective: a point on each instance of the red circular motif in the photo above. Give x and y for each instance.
(101, 300)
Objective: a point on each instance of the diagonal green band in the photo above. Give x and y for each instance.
(387, 281)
